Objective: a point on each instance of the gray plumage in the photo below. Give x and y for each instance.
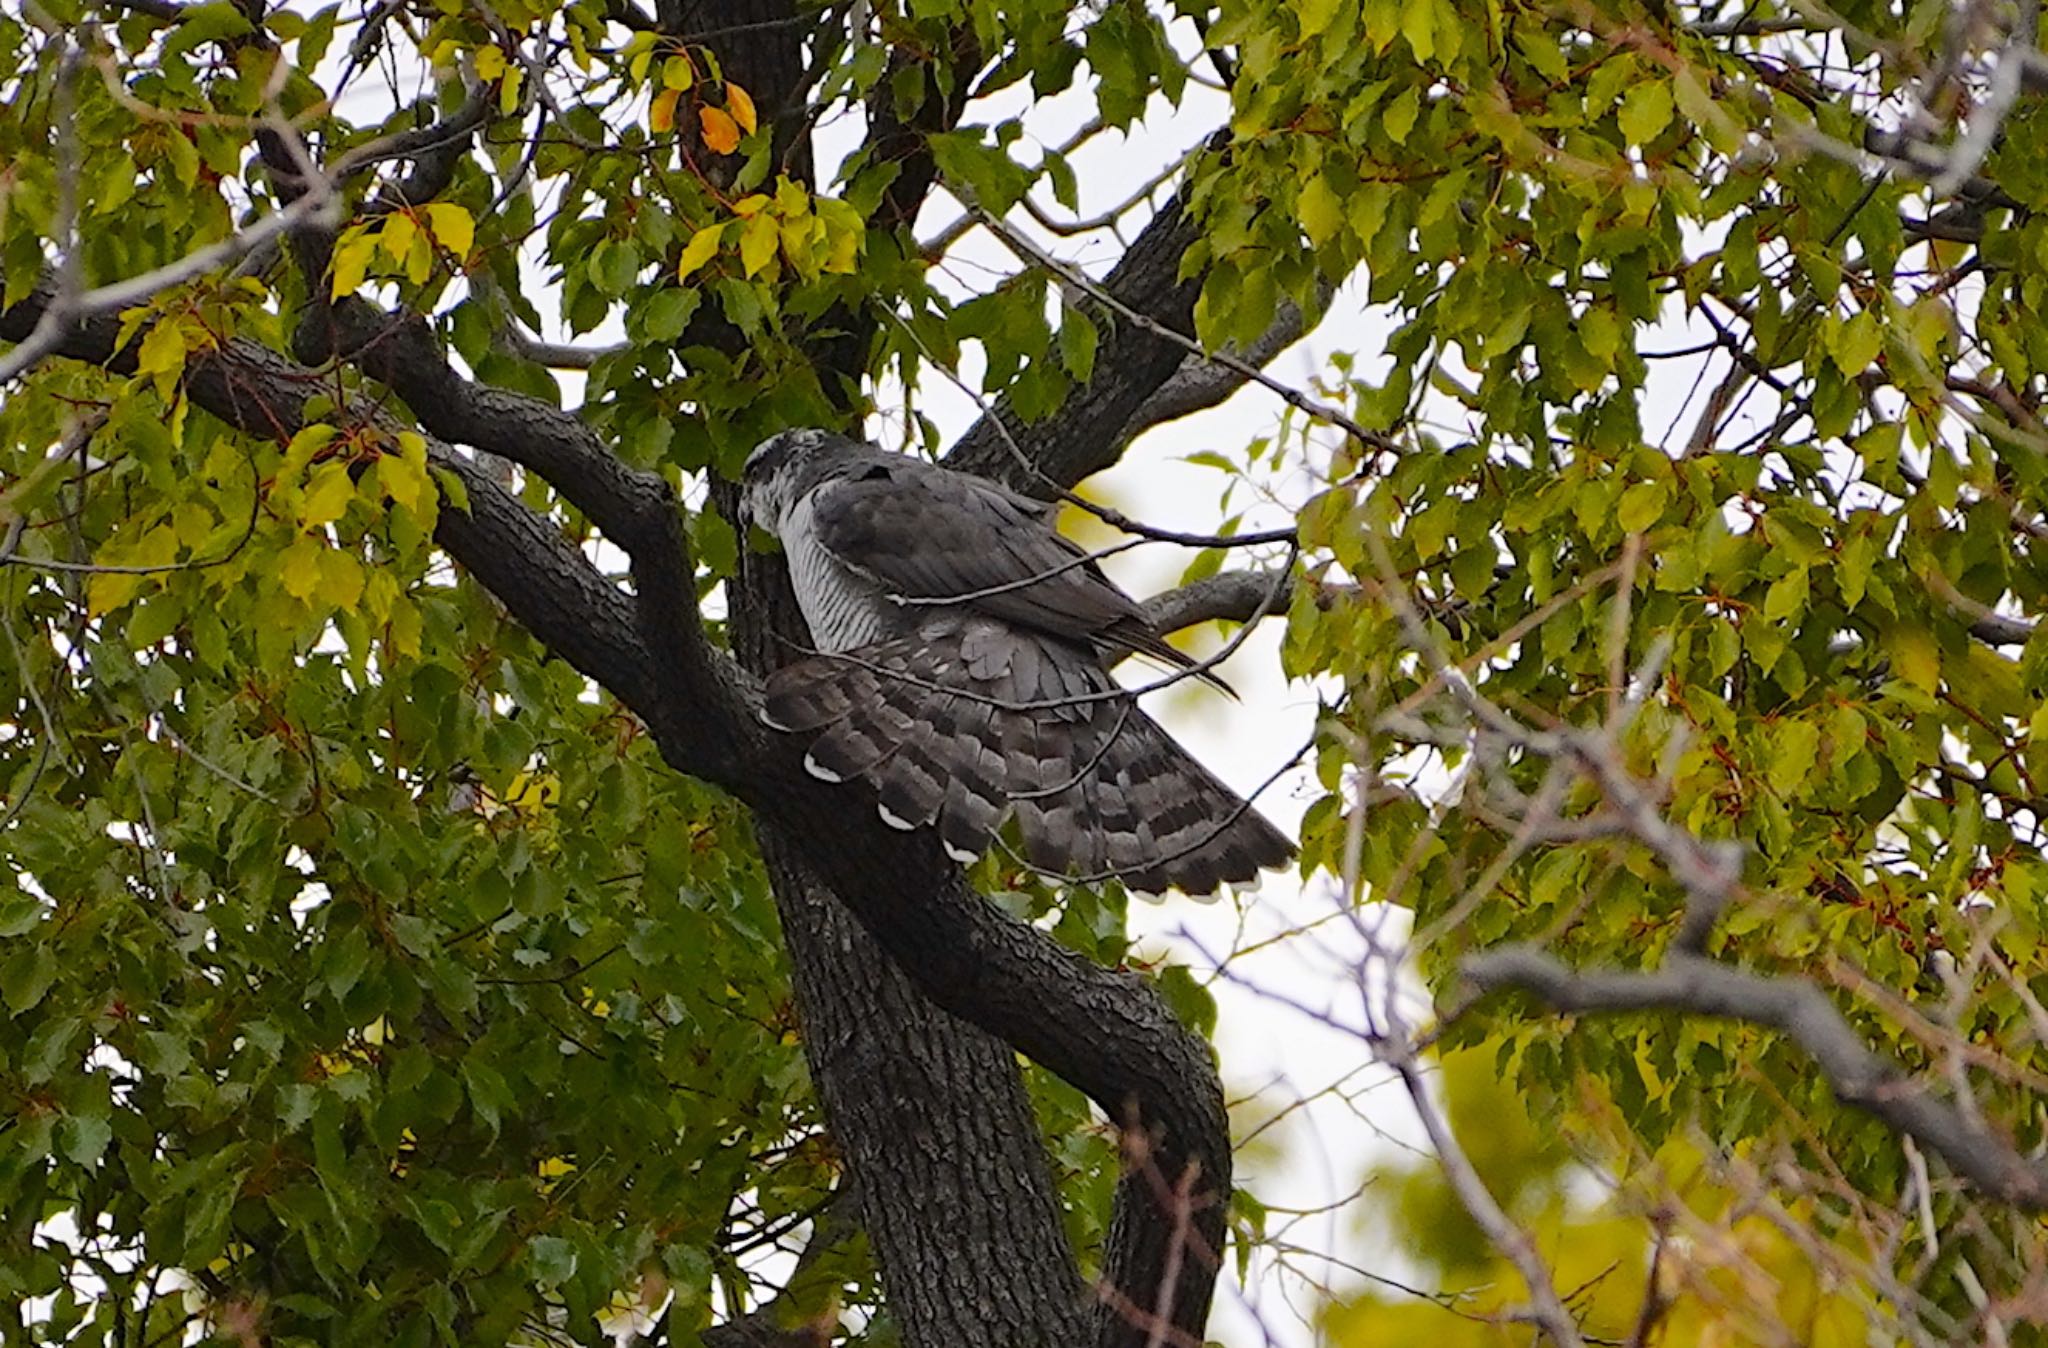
(962, 673)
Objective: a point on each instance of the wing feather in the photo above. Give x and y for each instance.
(929, 535)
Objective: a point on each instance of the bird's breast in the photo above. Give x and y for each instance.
(844, 609)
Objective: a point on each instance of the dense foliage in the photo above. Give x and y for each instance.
(367, 965)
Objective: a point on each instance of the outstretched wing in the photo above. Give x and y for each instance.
(929, 536)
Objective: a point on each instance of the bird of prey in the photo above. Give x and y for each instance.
(961, 669)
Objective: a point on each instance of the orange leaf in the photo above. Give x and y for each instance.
(721, 133)
(741, 105)
(661, 116)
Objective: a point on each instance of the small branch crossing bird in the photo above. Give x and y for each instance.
(961, 670)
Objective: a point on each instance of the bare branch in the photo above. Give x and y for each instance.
(1547, 1310)
(1694, 985)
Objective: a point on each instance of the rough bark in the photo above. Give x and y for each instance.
(935, 1108)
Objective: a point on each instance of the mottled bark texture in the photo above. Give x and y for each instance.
(916, 994)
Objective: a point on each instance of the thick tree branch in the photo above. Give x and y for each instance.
(1230, 596)
(1694, 985)
(521, 557)
(400, 350)
(980, 1202)
(967, 1207)
(1086, 434)
(1201, 383)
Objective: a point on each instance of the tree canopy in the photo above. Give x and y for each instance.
(409, 931)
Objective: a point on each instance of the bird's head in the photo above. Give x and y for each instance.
(782, 468)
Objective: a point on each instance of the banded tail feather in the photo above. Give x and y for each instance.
(953, 730)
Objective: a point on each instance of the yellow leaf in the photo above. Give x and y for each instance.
(1313, 16)
(163, 356)
(309, 441)
(419, 263)
(490, 63)
(341, 578)
(404, 480)
(748, 207)
(298, 568)
(661, 114)
(109, 590)
(106, 591)
(508, 91)
(327, 495)
(757, 243)
(379, 594)
(405, 628)
(799, 238)
(397, 235)
(844, 250)
(352, 261)
(721, 133)
(192, 523)
(741, 105)
(1916, 657)
(452, 226)
(699, 250)
(676, 73)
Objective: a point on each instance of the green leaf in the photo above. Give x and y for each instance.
(1078, 339)
(1399, 118)
(1642, 505)
(84, 1139)
(550, 1260)
(26, 974)
(1854, 344)
(1645, 111)
(1794, 746)
(615, 267)
(989, 176)
(1786, 599)
(489, 1096)
(668, 313)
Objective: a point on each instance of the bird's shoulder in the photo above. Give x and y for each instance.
(890, 491)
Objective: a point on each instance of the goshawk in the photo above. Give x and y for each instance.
(961, 670)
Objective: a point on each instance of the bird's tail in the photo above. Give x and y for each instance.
(967, 724)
